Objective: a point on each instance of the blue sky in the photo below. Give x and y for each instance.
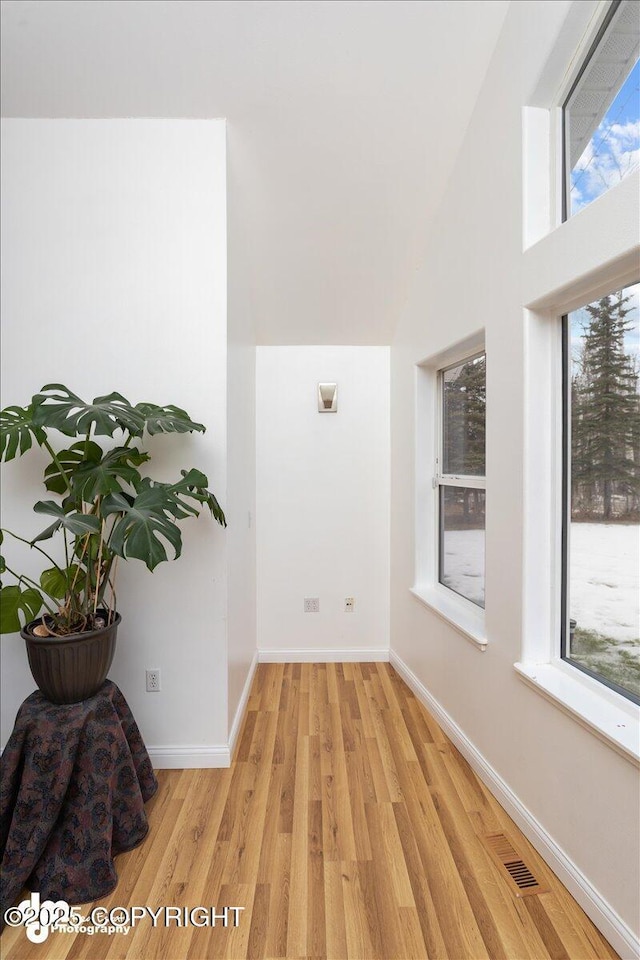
(614, 149)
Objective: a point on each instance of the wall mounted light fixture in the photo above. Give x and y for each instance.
(327, 397)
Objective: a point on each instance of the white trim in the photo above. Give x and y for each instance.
(451, 480)
(594, 250)
(457, 611)
(176, 757)
(339, 655)
(455, 353)
(538, 175)
(542, 486)
(606, 714)
(466, 358)
(610, 924)
(579, 57)
(242, 705)
(566, 53)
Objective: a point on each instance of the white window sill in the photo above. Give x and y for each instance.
(603, 712)
(462, 615)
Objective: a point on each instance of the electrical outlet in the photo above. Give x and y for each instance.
(312, 605)
(349, 604)
(153, 681)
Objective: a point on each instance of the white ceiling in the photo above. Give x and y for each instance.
(344, 120)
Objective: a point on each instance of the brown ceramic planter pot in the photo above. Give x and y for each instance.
(73, 668)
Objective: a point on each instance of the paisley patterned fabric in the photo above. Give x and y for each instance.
(73, 783)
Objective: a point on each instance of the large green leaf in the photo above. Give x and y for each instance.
(79, 524)
(56, 406)
(169, 419)
(95, 478)
(17, 431)
(194, 484)
(13, 602)
(144, 524)
(92, 473)
(57, 583)
(58, 475)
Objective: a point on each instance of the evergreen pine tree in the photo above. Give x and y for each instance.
(464, 433)
(465, 402)
(604, 421)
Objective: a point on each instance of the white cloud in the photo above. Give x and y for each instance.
(612, 153)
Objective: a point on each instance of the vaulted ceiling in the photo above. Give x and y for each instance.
(344, 121)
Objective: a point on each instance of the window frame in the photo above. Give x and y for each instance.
(585, 57)
(441, 479)
(467, 618)
(608, 715)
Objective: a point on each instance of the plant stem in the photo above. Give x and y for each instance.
(87, 441)
(87, 584)
(33, 547)
(112, 580)
(98, 565)
(57, 463)
(66, 547)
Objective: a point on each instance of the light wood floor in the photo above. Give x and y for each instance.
(347, 827)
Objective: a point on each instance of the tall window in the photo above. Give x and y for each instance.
(602, 111)
(460, 477)
(601, 569)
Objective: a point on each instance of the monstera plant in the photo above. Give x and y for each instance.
(103, 506)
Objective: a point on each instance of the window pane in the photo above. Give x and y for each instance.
(604, 533)
(602, 114)
(463, 418)
(462, 523)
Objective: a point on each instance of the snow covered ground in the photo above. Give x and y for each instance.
(605, 560)
(463, 568)
(603, 592)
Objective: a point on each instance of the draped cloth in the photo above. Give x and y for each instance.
(74, 779)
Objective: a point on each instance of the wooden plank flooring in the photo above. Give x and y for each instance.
(347, 827)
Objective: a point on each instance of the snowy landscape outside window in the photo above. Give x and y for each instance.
(460, 477)
(602, 112)
(601, 556)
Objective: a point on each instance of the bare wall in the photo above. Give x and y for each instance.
(322, 499)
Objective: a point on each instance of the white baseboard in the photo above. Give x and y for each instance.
(619, 935)
(187, 757)
(340, 655)
(242, 705)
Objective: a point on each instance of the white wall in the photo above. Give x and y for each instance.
(114, 277)
(582, 793)
(322, 500)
